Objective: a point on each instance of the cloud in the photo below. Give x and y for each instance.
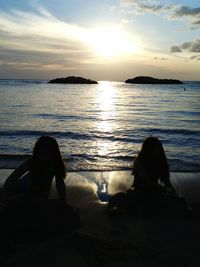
(170, 11)
(142, 6)
(193, 14)
(188, 47)
(149, 8)
(175, 49)
(38, 40)
(138, 2)
(160, 58)
(196, 57)
(193, 46)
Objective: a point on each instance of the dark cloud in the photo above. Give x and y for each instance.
(144, 6)
(187, 11)
(39, 59)
(186, 45)
(160, 58)
(192, 47)
(172, 11)
(197, 57)
(40, 43)
(175, 49)
(150, 8)
(32, 57)
(193, 14)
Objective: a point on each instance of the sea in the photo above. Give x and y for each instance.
(100, 127)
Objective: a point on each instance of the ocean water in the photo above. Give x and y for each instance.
(100, 127)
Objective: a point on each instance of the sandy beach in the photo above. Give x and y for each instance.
(113, 240)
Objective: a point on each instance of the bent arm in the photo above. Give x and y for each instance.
(17, 174)
(60, 185)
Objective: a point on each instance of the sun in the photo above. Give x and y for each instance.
(112, 42)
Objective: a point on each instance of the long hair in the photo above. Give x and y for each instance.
(155, 165)
(47, 146)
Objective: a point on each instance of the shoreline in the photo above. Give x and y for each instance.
(111, 240)
(80, 164)
(106, 183)
(114, 170)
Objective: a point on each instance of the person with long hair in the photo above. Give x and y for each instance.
(35, 175)
(26, 196)
(151, 166)
(152, 190)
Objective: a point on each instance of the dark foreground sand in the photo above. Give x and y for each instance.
(112, 240)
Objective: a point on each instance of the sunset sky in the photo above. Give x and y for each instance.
(102, 40)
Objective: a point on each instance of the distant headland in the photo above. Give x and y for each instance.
(151, 80)
(73, 79)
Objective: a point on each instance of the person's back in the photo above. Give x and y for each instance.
(152, 190)
(37, 184)
(151, 165)
(27, 190)
(35, 175)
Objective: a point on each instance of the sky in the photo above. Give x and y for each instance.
(101, 40)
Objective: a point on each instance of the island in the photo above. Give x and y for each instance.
(151, 80)
(73, 80)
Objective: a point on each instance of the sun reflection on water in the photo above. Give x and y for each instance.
(106, 103)
(105, 98)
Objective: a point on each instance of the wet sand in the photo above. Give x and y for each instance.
(119, 240)
(103, 183)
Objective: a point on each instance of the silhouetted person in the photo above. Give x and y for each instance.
(151, 167)
(152, 190)
(35, 175)
(27, 190)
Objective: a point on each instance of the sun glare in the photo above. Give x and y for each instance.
(112, 42)
(106, 102)
(106, 96)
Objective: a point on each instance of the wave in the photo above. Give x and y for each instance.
(95, 157)
(26, 133)
(123, 137)
(69, 135)
(171, 131)
(75, 162)
(19, 82)
(85, 162)
(64, 117)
